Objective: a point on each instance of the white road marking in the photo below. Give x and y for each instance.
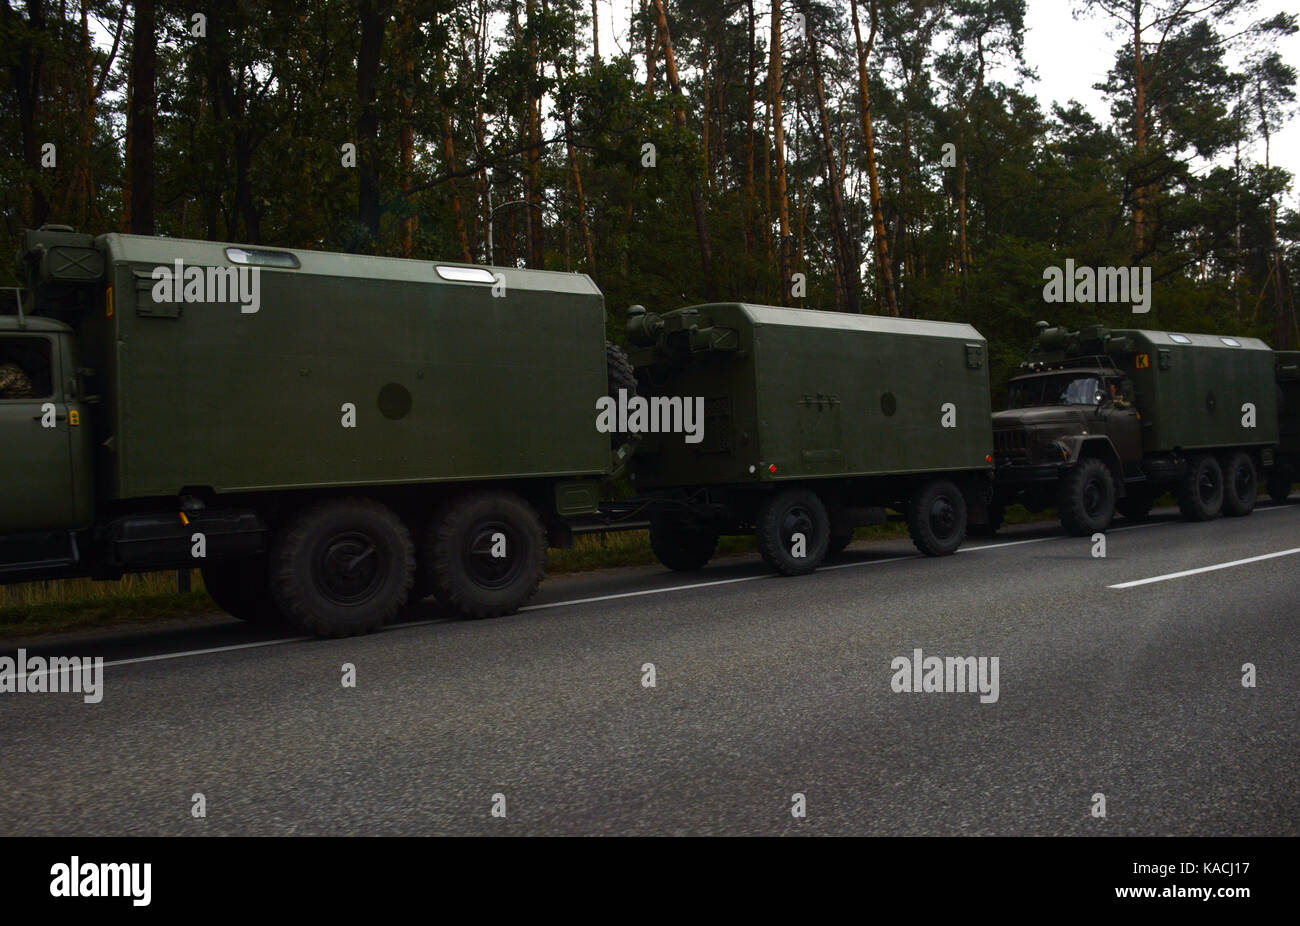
(204, 652)
(1216, 566)
(676, 588)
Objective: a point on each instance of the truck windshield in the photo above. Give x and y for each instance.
(1066, 389)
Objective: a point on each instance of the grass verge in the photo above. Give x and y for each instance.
(36, 608)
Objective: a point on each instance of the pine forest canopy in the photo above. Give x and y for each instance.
(857, 155)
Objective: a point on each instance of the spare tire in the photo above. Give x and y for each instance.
(621, 375)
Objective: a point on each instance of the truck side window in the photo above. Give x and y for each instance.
(25, 370)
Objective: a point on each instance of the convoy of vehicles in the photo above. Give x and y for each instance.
(330, 436)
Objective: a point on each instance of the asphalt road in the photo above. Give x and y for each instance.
(765, 687)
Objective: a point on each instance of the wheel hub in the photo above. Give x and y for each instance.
(943, 517)
(348, 569)
(491, 556)
(797, 520)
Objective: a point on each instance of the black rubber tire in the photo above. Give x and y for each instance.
(620, 375)
(342, 567)
(1200, 491)
(1240, 485)
(458, 551)
(997, 513)
(785, 513)
(1085, 498)
(681, 546)
(936, 518)
(838, 542)
(242, 588)
(1279, 487)
(1137, 504)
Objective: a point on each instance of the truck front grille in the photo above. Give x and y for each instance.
(1011, 445)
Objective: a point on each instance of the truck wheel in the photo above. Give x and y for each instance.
(1279, 487)
(936, 518)
(487, 553)
(792, 522)
(1240, 485)
(681, 546)
(240, 587)
(1137, 504)
(1200, 492)
(343, 567)
(1086, 500)
(620, 375)
(838, 542)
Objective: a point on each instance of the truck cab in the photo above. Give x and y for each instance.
(46, 468)
(1051, 416)
(1099, 421)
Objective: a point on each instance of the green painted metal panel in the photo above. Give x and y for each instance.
(823, 394)
(448, 381)
(1192, 388)
(1288, 390)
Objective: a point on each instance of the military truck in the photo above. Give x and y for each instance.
(813, 423)
(325, 435)
(1101, 420)
(1286, 465)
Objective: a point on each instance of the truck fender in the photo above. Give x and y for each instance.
(1100, 446)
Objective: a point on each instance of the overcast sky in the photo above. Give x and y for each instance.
(1069, 55)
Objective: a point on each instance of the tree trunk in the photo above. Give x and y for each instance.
(138, 205)
(747, 195)
(651, 45)
(778, 133)
(26, 75)
(373, 19)
(533, 193)
(406, 142)
(845, 251)
(457, 213)
(697, 198)
(1139, 137)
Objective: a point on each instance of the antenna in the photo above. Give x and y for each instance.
(18, 301)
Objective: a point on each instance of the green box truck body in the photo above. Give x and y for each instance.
(447, 381)
(1193, 390)
(823, 394)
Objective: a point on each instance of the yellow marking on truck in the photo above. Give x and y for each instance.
(184, 520)
(1142, 361)
(108, 302)
(74, 417)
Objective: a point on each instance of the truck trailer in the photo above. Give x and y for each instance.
(814, 423)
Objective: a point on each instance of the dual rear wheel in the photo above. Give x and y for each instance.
(1213, 486)
(347, 566)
